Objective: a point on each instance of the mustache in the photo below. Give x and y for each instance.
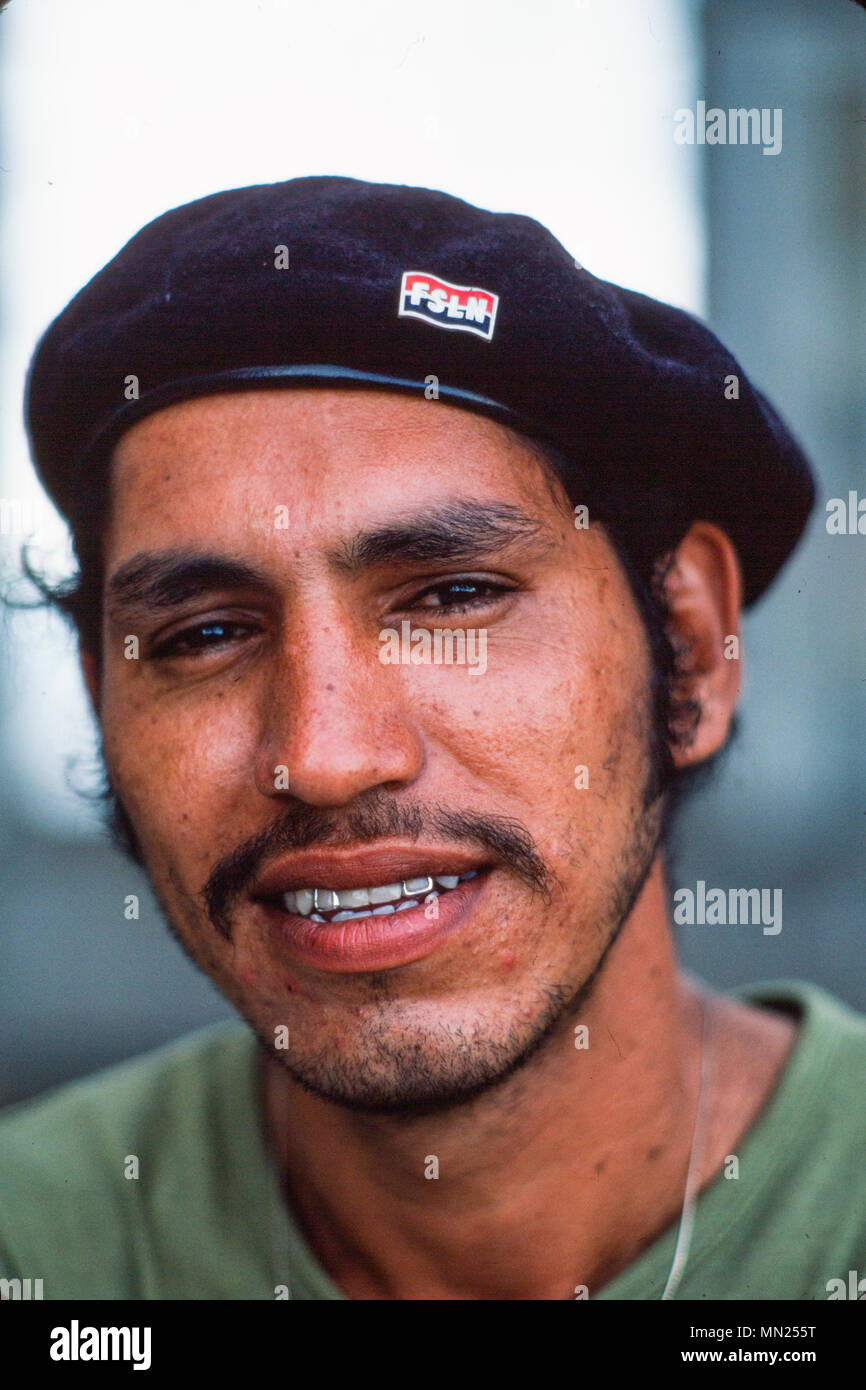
(376, 817)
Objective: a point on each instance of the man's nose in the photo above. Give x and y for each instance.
(335, 721)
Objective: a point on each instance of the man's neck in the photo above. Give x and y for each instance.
(555, 1179)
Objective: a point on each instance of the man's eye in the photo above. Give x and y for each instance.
(202, 637)
(455, 595)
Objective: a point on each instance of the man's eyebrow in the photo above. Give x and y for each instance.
(459, 532)
(166, 579)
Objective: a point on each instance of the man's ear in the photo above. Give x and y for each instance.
(91, 670)
(704, 593)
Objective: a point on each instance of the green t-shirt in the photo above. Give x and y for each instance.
(205, 1217)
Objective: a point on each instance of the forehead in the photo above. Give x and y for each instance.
(320, 452)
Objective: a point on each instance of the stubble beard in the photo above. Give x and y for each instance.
(391, 1071)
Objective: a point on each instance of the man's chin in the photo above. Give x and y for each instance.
(407, 1080)
(397, 1098)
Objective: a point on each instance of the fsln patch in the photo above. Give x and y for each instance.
(464, 307)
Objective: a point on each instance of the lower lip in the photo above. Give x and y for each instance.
(379, 943)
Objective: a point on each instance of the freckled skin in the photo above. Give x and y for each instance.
(191, 748)
(192, 751)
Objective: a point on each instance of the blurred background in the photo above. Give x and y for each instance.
(115, 110)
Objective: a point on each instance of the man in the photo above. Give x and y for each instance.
(308, 437)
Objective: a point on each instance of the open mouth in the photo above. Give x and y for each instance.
(388, 924)
(332, 905)
(372, 908)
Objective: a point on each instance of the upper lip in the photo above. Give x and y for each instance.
(361, 868)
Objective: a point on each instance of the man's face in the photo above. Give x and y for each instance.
(259, 545)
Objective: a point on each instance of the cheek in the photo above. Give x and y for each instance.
(182, 767)
(544, 710)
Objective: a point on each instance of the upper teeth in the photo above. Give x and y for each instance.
(312, 902)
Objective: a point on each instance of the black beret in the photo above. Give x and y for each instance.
(339, 282)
